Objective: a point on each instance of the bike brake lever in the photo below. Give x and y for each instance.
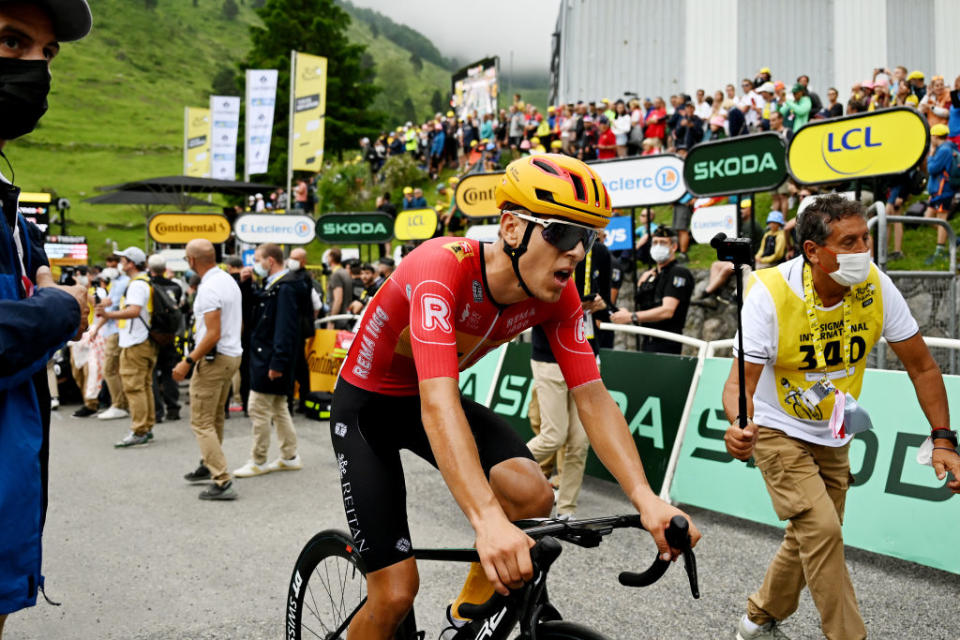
(690, 564)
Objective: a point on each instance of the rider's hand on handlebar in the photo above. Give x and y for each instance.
(504, 552)
(740, 442)
(656, 515)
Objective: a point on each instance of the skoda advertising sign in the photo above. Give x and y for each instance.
(863, 145)
(644, 181)
(475, 194)
(284, 228)
(181, 228)
(355, 228)
(415, 224)
(744, 164)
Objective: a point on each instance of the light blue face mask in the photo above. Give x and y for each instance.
(260, 270)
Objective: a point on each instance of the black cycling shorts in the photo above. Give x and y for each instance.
(368, 430)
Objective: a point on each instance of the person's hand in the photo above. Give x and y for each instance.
(273, 375)
(946, 461)
(740, 442)
(649, 273)
(180, 371)
(504, 552)
(621, 316)
(246, 273)
(656, 515)
(44, 279)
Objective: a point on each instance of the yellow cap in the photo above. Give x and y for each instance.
(521, 105)
(473, 143)
(450, 114)
(453, 180)
(407, 190)
(746, 203)
(439, 208)
(534, 140)
(915, 75)
(390, 139)
(606, 101)
(912, 99)
(556, 144)
(765, 70)
(939, 130)
(551, 109)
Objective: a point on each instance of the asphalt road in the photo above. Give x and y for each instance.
(131, 553)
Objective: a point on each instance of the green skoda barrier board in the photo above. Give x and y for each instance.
(650, 390)
(895, 507)
(476, 381)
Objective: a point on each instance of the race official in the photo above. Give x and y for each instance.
(308, 306)
(166, 393)
(274, 344)
(138, 353)
(808, 326)
(215, 357)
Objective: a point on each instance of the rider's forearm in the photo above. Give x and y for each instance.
(611, 440)
(455, 450)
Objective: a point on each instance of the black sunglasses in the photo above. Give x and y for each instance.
(562, 234)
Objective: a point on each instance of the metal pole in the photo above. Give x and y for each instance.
(634, 259)
(293, 77)
(186, 138)
(753, 215)
(742, 400)
(246, 129)
(739, 201)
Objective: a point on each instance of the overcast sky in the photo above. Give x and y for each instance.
(474, 30)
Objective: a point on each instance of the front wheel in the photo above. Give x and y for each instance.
(327, 586)
(563, 630)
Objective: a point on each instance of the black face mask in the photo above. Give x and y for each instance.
(24, 85)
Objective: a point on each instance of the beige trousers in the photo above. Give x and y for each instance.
(136, 374)
(264, 407)
(808, 486)
(209, 388)
(80, 377)
(111, 371)
(560, 430)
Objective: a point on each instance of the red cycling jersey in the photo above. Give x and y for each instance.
(434, 317)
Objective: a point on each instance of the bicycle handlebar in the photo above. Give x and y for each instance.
(678, 537)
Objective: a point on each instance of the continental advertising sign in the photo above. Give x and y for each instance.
(895, 506)
(643, 181)
(415, 224)
(744, 164)
(863, 145)
(286, 228)
(309, 108)
(325, 352)
(181, 228)
(355, 228)
(475, 194)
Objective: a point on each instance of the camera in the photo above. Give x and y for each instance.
(736, 250)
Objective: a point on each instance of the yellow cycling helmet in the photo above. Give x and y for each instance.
(553, 184)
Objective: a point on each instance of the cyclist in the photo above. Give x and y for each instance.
(450, 302)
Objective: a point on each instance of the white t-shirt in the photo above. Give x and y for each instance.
(750, 101)
(218, 290)
(703, 111)
(760, 346)
(135, 331)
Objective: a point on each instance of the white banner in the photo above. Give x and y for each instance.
(281, 228)
(642, 181)
(709, 221)
(484, 232)
(261, 97)
(224, 125)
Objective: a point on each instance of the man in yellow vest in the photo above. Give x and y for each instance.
(808, 325)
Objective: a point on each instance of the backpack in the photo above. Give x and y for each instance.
(953, 176)
(166, 321)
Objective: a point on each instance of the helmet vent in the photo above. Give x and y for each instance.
(596, 193)
(546, 166)
(544, 195)
(579, 187)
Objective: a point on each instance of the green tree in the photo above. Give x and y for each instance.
(416, 62)
(230, 9)
(437, 103)
(317, 27)
(225, 83)
(150, 4)
(409, 111)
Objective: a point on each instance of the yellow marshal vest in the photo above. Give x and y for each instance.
(796, 364)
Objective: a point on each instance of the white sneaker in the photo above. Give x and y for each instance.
(747, 630)
(251, 469)
(113, 413)
(54, 403)
(293, 464)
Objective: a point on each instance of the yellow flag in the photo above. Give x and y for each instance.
(309, 104)
(196, 142)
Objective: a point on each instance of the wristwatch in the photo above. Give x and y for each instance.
(633, 318)
(188, 360)
(946, 434)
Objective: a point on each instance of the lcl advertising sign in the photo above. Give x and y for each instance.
(744, 164)
(644, 181)
(415, 224)
(862, 145)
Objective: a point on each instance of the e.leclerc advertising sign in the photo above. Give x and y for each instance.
(862, 145)
(744, 164)
(415, 224)
(643, 181)
(355, 228)
(181, 228)
(283, 228)
(709, 221)
(475, 194)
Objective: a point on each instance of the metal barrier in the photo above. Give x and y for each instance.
(880, 222)
(318, 324)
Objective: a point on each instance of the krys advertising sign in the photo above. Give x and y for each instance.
(745, 164)
(278, 228)
(181, 228)
(863, 145)
(644, 181)
(355, 228)
(475, 194)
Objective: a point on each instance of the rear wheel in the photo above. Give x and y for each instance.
(563, 630)
(327, 586)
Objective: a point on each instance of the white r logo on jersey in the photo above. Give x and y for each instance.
(436, 312)
(580, 331)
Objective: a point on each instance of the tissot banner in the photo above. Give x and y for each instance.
(261, 97)
(196, 142)
(224, 126)
(309, 99)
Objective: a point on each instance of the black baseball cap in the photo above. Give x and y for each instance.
(71, 18)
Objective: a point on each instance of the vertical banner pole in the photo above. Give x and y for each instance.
(293, 82)
(186, 134)
(246, 127)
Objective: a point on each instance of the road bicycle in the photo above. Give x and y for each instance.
(328, 586)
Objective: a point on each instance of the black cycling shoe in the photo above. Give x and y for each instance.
(200, 474)
(84, 412)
